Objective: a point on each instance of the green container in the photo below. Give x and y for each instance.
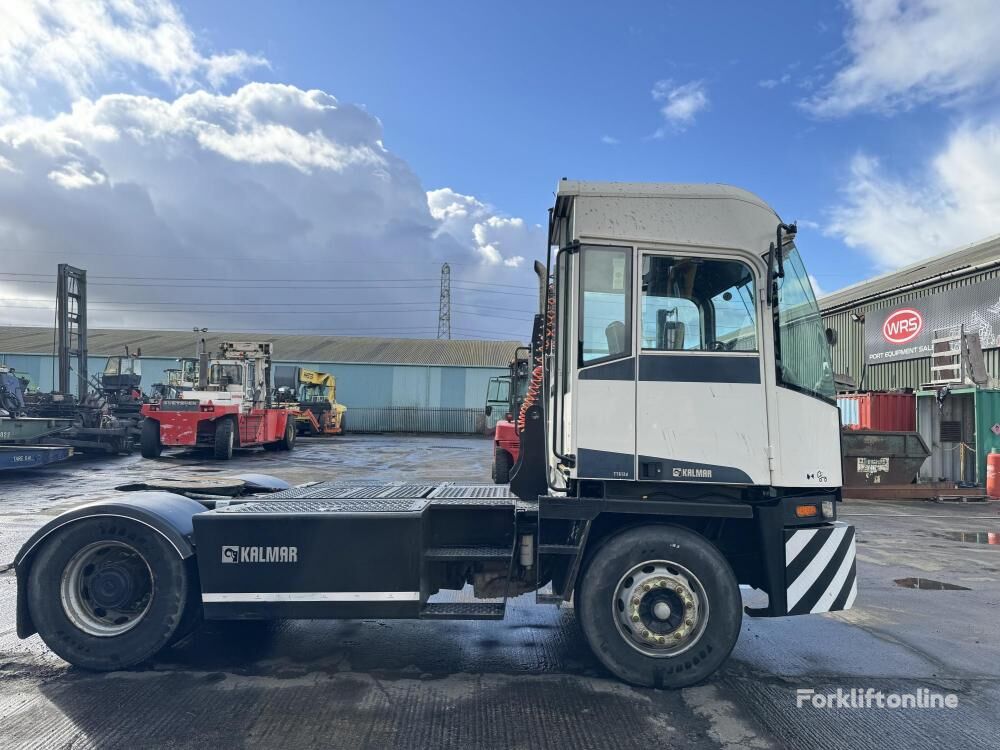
(960, 431)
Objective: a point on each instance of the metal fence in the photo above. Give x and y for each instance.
(416, 419)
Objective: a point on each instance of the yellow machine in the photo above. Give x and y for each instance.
(315, 394)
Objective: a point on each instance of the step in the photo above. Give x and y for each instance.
(478, 552)
(558, 549)
(463, 611)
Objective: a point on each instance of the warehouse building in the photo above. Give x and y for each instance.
(884, 326)
(388, 385)
(885, 334)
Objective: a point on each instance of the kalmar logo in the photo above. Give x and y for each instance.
(902, 326)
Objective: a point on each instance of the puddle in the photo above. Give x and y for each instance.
(929, 584)
(972, 537)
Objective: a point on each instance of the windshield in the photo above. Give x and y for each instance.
(225, 375)
(803, 354)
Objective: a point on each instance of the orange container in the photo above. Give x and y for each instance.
(883, 412)
(993, 475)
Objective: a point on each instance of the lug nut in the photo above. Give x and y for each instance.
(689, 623)
(635, 618)
(646, 587)
(645, 634)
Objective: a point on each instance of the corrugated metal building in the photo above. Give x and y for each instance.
(940, 281)
(412, 385)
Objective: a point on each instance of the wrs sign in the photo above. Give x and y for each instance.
(902, 326)
(907, 330)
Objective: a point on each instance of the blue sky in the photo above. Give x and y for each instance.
(245, 133)
(501, 100)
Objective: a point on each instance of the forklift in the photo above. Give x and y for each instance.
(682, 441)
(314, 395)
(508, 392)
(230, 408)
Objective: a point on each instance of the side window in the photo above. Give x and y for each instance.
(697, 304)
(606, 303)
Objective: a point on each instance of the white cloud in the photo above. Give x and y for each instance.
(953, 200)
(73, 175)
(610, 140)
(498, 240)
(770, 83)
(817, 289)
(266, 182)
(680, 103)
(902, 53)
(73, 46)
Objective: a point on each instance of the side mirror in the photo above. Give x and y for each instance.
(831, 337)
(489, 410)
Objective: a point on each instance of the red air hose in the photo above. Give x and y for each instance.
(537, 373)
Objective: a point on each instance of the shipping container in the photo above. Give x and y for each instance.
(881, 411)
(961, 428)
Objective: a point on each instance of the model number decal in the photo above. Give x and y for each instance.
(236, 554)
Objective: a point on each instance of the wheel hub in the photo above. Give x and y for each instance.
(106, 588)
(660, 608)
(110, 587)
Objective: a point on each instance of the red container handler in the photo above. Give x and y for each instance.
(888, 412)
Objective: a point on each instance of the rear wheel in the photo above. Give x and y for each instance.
(225, 438)
(149, 439)
(659, 606)
(107, 593)
(501, 466)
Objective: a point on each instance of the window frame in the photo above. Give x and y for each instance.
(706, 316)
(629, 294)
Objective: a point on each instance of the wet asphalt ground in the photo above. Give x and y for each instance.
(528, 681)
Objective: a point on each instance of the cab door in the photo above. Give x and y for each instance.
(701, 414)
(603, 423)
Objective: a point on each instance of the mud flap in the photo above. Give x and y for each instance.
(527, 478)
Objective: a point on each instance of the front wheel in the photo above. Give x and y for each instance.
(108, 593)
(659, 606)
(225, 438)
(149, 439)
(287, 442)
(501, 466)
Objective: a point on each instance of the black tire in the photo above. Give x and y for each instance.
(501, 466)
(153, 629)
(595, 603)
(287, 443)
(149, 440)
(225, 439)
(193, 613)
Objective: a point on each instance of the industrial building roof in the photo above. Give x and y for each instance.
(961, 262)
(287, 347)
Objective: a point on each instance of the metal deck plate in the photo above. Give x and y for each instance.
(365, 505)
(393, 491)
(475, 491)
(343, 489)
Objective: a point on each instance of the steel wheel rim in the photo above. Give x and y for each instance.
(660, 608)
(106, 588)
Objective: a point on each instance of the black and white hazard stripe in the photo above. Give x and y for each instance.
(820, 569)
